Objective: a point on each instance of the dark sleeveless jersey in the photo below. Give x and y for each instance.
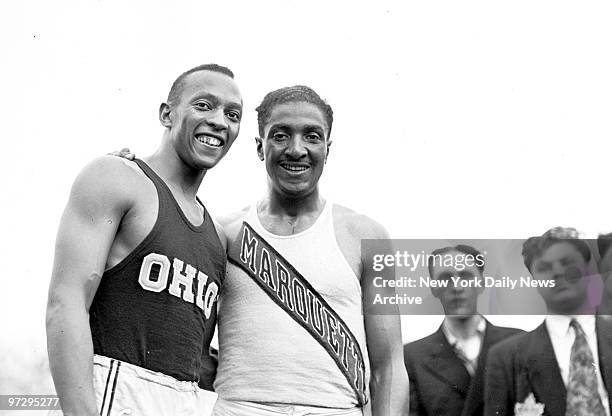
(157, 308)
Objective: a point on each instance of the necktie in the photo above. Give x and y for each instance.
(582, 394)
(470, 365)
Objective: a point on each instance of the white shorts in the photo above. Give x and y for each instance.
(125, 389)
(239, 408)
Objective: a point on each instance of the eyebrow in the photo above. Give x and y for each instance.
(315, 128)
(565, 258)
(550, 262)
(285, 126)
(216, 101)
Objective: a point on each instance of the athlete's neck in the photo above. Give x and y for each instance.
(284, 215)
(463, 327)
(283, 205)
(177, 175)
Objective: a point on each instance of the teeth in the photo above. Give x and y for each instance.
(293, 168)
(211, 141)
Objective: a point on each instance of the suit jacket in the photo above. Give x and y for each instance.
(527, 364)
(439, 383)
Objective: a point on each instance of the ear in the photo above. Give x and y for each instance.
(329, 143)
(436, 292)
(259, 144)
(164, 115)
(480, 289)
(480, 278)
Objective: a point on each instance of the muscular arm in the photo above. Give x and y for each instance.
(389, 382)
(87, 229)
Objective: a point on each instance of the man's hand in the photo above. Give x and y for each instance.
(124, 153)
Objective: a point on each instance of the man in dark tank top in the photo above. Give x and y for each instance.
(139, 264)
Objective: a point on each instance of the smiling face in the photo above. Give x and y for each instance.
(294, 147)
(205, 120)
(564, 264)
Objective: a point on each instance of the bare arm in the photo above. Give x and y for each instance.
(389, 382)
(87, 230)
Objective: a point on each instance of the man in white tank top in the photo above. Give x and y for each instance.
(269, 363)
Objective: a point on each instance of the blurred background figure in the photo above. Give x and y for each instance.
(566, 363)
(446, 368)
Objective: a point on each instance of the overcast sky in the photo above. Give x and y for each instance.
(453, 119)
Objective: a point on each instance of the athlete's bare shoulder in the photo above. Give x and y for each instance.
(351, 227)
(109, 179)
(232, 222)
(356, 225)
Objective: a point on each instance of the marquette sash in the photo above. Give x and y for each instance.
(296, 296)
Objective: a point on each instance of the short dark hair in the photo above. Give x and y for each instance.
(297, 93)
(533, 247)
(177, 85)
(462, 248)
(604, 242)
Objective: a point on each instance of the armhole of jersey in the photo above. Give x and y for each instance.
(152, 233)
(208, 217)
(337, 244)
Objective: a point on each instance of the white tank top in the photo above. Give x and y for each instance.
(267, 357)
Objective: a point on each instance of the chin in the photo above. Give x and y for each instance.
(562, 307)
(294, 191)
(463, 314)
(455, 312)
(205, 164)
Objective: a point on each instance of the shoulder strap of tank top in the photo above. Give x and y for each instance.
(167, 199)
(294, 294)
(327, 217)
(252, 217)
(205, 214)
(162, 191)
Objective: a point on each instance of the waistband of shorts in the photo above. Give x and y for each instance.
(144, 374)
(282, 409)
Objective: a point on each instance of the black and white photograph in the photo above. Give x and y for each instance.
(389, 208)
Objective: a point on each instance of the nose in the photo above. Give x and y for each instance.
(295, 147)
(456, 289)
(558, 270)
(216, 119)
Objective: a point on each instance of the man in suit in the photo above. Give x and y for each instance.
(566, 363)
(604, 245)
(446, 368)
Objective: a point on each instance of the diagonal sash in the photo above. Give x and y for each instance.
(296, 296)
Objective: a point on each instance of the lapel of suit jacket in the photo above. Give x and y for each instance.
(446, 366)
(475, 395)
(604, 349)
(543, 370)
